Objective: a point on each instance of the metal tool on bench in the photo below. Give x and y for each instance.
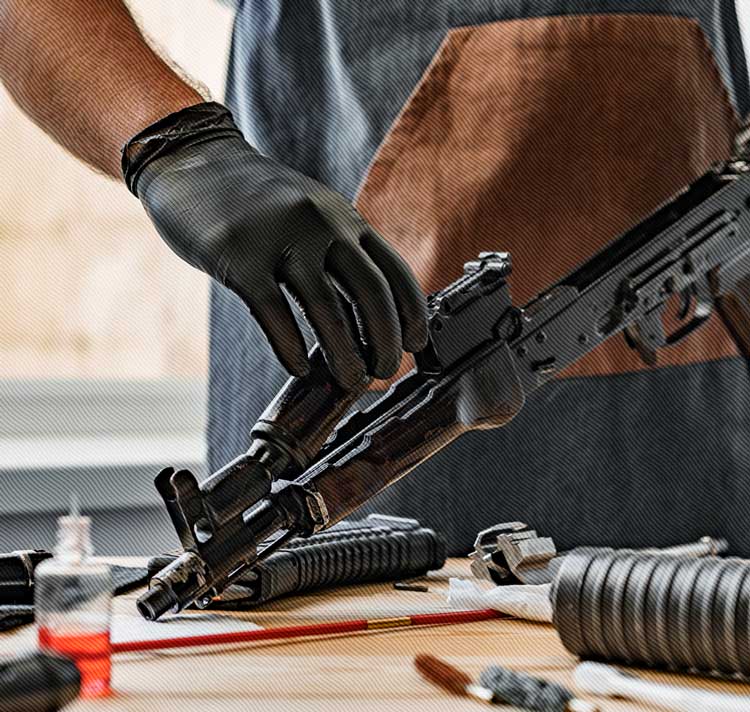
(511, 553)
(305, 470)
(502, 686)
(17, 576)
(17, 586)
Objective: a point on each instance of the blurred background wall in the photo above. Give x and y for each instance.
(88, 289)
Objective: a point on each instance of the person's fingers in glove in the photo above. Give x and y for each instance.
(322, 308)
(411, 302)
(368, 291)
(257, 225)
(269, 306)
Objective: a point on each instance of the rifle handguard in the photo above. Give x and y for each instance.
(378, 548)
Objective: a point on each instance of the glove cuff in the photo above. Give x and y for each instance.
(188, 126)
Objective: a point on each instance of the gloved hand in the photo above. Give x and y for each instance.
(255, 224)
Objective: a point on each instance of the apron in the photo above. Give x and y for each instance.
(547, 138)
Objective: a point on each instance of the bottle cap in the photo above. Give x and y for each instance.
(74, 533)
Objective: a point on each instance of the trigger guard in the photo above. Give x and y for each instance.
(687, 329)
(686, 300)
(704, 307)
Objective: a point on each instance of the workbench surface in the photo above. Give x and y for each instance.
(366, 672)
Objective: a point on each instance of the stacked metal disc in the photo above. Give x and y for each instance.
(659, 611)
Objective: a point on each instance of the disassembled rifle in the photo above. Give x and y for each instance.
(304, 471)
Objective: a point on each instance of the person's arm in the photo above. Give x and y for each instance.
(83, 72)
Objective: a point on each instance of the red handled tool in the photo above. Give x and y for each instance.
(307, 631)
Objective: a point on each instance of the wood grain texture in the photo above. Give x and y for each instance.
(366, 672)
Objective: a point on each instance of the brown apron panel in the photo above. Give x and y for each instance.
(547, 138)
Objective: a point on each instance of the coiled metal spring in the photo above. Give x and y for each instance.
(659, 611)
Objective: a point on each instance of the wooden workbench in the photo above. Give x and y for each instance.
(366, 672)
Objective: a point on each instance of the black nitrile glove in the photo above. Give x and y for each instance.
(255, 224)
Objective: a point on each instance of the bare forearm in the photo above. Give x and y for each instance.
(83, 72)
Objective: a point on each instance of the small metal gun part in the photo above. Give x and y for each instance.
(511, 553)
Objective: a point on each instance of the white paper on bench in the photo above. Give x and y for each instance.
(127, 628)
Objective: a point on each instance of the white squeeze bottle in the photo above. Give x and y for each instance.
(73, 602)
